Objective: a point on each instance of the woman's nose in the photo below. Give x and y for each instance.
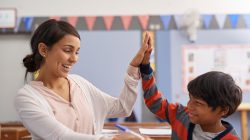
(73, 58)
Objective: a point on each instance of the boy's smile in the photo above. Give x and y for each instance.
(200, 113)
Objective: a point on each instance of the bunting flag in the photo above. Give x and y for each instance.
(126, 20)
(247, 20)
(220, 20)
(27, 23)
(55, 17)
(90, 22)
(206, 20)
(151, 23)
(178, 20)
(108, 20)
(234, 20)
(18, 20)
(143, 21)
(72, 20)
(165, 21)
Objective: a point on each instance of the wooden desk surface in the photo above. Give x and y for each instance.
(243, 109)
(244, 106)
(135, 127)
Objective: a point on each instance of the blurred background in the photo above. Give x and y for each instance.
(190, 37)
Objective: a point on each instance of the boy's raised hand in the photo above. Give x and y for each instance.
(146, 47)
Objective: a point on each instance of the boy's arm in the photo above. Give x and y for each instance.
(153, 97)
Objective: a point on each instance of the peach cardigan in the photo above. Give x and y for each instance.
(38, 117)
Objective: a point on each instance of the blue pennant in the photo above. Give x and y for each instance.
(207, 20)
(28, 22)
(165, 20)
(234, 20)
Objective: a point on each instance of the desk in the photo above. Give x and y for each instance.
(12, 131)
(135, 127)
(243, 109)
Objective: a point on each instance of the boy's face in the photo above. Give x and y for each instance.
(200, 113)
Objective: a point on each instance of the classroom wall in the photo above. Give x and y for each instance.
(123, 7)
(13, 49)
(104, 58)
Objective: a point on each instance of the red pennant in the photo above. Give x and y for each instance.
(126, 20)
(108, 20)
(73, 21)
(55, 17)
(144, 21)
(90, 22)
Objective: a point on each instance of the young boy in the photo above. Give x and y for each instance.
(213, 95)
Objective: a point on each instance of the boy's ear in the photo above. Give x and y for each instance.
(224, 111)
(42, 48)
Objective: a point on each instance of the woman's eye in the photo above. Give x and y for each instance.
(67, 51)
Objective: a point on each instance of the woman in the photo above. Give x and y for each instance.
(58, 105)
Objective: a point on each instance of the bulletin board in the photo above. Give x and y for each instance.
(231, 59)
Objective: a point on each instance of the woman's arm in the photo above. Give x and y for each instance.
(40, 123)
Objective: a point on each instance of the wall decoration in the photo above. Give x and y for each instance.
(225, 58)
(145, 22)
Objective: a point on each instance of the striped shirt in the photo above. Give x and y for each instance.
(175, 114)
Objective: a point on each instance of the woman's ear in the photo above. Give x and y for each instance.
(42, 48)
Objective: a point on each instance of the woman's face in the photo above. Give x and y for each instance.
(62, 56)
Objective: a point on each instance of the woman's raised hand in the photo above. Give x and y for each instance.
(145, 50)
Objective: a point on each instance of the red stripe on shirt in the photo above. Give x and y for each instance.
(153, 98)
(161, 112)
(146, 84)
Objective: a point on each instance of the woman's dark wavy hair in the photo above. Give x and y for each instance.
(49, 33)
(217, 89)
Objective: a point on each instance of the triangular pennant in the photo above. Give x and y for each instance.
(143, 21)
(73, 20)
(227, 23)
(117, 24)
(214, 23)
(90, 21)
(241, 22)
(55, 17)
(135, 24)
(155, 23)
(81, 24)
(247, 20)
(178, 20)
(99, 24)
(108, 20)
(207, 20)
(172, 23)
(165, 20)
(126, 20)
(220, 20)
(27, 23)
(234, 20)
(18, 20)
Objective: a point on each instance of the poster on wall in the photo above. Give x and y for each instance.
(231, 59)
(152, 57)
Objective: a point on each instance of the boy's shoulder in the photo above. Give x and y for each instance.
(229, 133)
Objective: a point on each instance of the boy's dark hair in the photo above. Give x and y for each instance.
(217, 89)
(49, 33)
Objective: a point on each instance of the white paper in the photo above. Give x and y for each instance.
(147, 131)
(109, 131)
